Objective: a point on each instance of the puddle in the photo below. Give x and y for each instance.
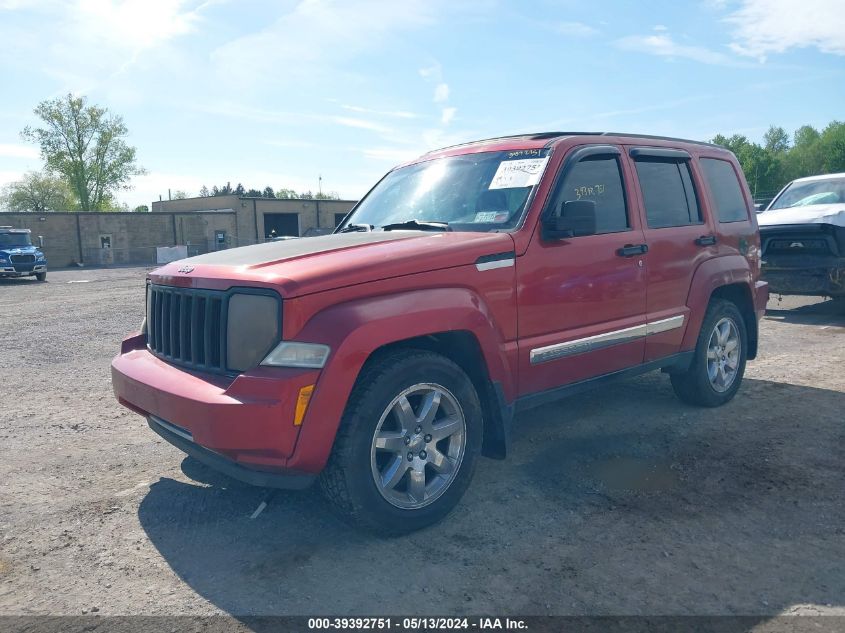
(635, 475)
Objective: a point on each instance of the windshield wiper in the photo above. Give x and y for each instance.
(350, 228)
(416, 225)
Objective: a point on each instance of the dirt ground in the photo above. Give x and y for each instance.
(618, 501)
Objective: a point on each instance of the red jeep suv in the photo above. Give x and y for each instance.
(471, 284)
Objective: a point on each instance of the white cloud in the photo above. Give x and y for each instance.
(664, 46)
(289, 46)
(11, 150)
(441, 92)
(390, 154)
(84, 44)
(763, 27)
(399, 114)
(660, 27)
(447, 115)
(359, 123)
(574, 29)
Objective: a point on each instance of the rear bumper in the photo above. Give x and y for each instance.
(246, 420)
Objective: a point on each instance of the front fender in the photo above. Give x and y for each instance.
(354, 330)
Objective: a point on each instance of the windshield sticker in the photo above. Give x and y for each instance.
(518, 173)
(527, 153)
(491, 217)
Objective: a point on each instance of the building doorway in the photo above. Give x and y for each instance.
(281, 224)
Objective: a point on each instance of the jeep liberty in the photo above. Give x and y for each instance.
(467, 286)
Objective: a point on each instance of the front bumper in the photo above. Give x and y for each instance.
(824, 277)
(245, 422)
(21, 270)
(184, 442)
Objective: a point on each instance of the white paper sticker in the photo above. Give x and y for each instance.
(485, 217)
(518, 173)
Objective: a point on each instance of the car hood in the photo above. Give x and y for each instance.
(314, 264)
(814, 214)
(19, 250)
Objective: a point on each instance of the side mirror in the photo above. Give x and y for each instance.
(759, 208)
(577, 217)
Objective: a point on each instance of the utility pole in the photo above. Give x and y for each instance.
(320, 185)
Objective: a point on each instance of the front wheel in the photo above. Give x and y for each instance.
(41, 276)
(716, 371)
(408, 442)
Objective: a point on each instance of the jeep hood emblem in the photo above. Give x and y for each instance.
(185, 269)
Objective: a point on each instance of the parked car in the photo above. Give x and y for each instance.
(473, 283)
(803, 237)
(19, 257)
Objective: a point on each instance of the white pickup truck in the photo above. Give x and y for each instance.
(802, 234)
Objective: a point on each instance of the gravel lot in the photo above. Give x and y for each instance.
(618, 501)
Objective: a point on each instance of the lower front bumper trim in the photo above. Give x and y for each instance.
(289, 481)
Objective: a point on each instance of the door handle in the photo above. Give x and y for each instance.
(629, 250)
(706, 240)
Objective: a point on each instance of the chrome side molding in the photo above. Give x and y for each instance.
(600, 341)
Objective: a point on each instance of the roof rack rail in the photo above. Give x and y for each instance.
(538, 136)
(660, 138)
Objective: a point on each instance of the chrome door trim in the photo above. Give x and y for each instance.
(600, 341)
(491, 265)
(664, 325)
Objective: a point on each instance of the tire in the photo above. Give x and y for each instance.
(374, 484)
(41, 276)
(698, 385)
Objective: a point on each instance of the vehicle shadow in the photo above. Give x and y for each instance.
(677, 510)
(821, 313)
(21, 281)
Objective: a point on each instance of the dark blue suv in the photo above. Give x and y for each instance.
(19, 257)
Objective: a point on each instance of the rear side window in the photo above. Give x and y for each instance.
(598, 179)
(725, 190)
(668, 192)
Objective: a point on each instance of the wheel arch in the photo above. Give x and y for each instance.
(463, 349)
(730, 278)
(454, 322)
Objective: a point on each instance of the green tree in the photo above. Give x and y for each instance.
(832, 141)
(204, 192)
(286, 194)
(268, 192)
(37, 192)
(86, 145)
(776, 140)
(179, 195)
(142, 208)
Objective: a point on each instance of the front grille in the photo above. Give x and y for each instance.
(22, 259)
(798, 246)
(186, 326)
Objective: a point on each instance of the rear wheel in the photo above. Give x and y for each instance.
(408, 442)
(718, 365)
(41, 276)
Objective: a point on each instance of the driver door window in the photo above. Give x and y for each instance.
(598, 179)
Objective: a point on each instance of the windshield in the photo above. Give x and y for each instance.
(472, 192)
(11, 240)
(804, 194)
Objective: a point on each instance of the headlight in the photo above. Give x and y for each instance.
(39, 257)
(252, 329)
(292, 354)
(2, 257)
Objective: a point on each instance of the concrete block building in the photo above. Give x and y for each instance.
(201, 224)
